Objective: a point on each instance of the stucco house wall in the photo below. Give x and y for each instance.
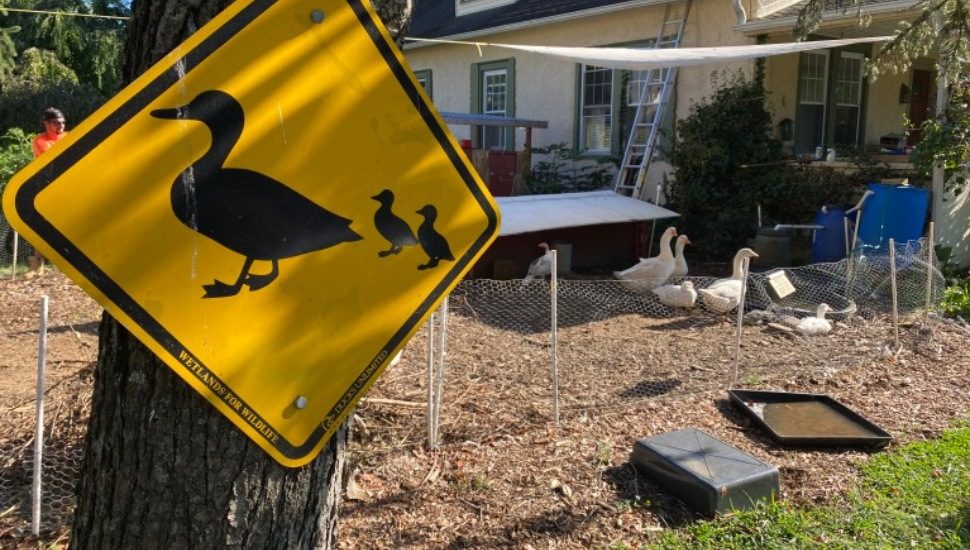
(546, 86)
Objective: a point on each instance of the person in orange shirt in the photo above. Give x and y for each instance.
(55, 127)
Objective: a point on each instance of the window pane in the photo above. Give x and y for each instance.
(597, 108)
(848, 89)
(494, 95)
(494, 102)
(812, 78)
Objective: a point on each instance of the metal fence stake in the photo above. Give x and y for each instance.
(39, 429)
(892, 275)
(553, 292)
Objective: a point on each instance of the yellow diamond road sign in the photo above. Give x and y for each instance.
(273, 209)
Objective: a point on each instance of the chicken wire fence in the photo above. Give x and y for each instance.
(14, 246)
(494, 357)
(616, 345)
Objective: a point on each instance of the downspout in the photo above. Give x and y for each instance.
(739, 12)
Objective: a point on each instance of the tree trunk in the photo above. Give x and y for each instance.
(163, 468)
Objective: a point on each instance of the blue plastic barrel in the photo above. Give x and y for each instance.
(893, 212)
(828, 243)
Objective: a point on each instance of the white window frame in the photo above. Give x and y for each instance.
(825, 79)
(466, 7)
(861, 58)
(583, 146)
(505, 110)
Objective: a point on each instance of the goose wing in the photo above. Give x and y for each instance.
(717, 302)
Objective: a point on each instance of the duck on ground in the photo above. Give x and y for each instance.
(723, 295)
(650, 273)
(245, 211)
(677, 296)
(433, 243)
(395, 230)
(680, 263)
(541, 267)
(815, 325)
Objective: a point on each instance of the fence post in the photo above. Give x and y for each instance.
(892, 274)
(440, 373)
(39, 428)
(431, 384)
(16, 247)
(745, 264)
(930, 265)
(554, 322)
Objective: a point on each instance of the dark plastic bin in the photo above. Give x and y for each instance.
(706, 473)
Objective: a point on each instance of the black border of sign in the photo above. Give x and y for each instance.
(28, 192)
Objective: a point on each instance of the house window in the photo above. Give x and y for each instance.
(596, 119)
(493, 93)
(810, 116)
(848, 98)
(424, 80)
(831, 98)
(608, 105)
(465, 7)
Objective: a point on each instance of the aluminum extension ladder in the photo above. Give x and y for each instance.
(651, 107)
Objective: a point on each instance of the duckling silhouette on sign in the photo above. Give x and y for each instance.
(390, 226)
(433, 243)
(245, 211)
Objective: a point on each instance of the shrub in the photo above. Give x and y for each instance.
(724, 159)
(15, 153)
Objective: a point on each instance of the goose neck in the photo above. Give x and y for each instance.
(736, 272)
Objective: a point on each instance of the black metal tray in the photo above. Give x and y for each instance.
(808, 419)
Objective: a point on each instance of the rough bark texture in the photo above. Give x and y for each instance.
(163, 468)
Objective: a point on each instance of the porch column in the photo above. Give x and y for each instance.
(951, 213)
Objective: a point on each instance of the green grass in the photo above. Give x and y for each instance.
(914, 497)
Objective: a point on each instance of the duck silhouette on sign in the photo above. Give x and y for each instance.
(434, 244)
(395, 230)
(245, 211)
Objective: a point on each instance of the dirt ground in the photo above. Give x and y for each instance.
(505, 475)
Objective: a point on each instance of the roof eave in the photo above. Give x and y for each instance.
(541, 21)
(829, 18)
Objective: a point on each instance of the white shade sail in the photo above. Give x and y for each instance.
(636, 59)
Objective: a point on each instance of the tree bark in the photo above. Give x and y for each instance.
(163, 468)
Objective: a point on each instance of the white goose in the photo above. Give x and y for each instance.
(817, 325)
(650, 273)
(723, 295)
(542, 266)
(680, 263)
(682, 295)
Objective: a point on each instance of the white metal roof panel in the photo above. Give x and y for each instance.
(531, 213)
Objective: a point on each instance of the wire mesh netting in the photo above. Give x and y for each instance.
(65, 423)
(615, 345)
(71, 353)
(13, 244)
